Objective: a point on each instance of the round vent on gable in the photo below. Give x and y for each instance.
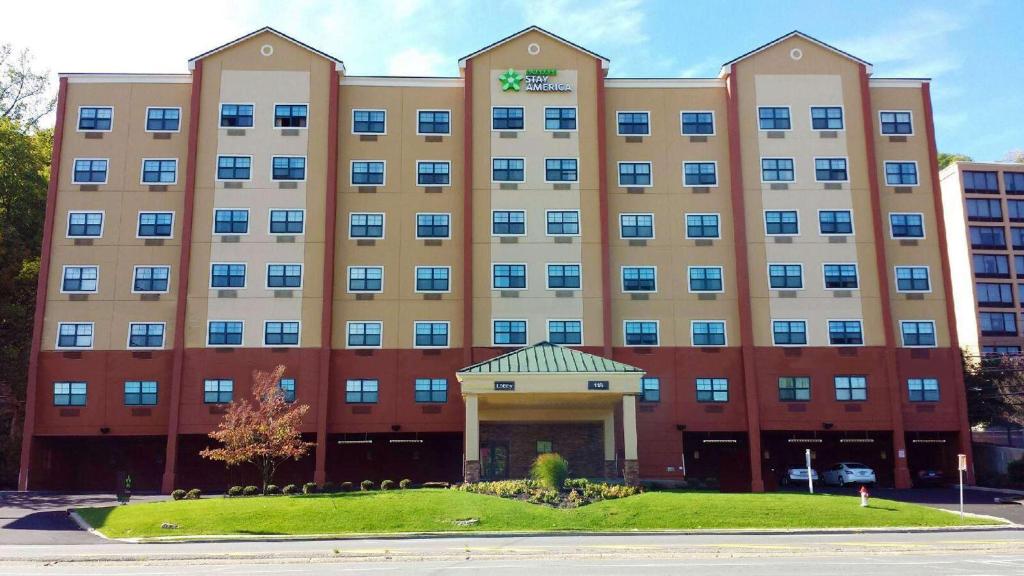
(266, 50)
(533, 49)
(796, 53)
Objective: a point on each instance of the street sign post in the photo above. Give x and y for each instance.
(810, 478)
(961, 466)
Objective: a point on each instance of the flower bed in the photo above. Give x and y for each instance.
(575, 492)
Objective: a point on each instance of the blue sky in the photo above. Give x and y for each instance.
(971, 48)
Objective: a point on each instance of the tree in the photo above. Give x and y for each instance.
(24, 92)
(264, 432)
(947, 158)
(995, 389)
(1016, 156)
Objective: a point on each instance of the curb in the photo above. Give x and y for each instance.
(85, 526)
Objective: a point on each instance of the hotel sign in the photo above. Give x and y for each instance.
(504, 386)
(532, 80)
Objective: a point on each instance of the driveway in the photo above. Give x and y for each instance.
(42, 518)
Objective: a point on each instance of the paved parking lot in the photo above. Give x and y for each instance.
(41, 518)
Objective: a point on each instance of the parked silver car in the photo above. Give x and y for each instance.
(845, 473)
(798, 476)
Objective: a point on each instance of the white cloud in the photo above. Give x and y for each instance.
(705, 68)
(600, 23)
(916, 45)
(416, 62)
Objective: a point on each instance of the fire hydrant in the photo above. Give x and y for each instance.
(864, 497)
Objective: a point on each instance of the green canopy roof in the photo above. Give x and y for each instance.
(545, 357)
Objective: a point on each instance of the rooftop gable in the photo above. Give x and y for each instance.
(604, 61)
(338, 64)
(545, 357)
(727, 67)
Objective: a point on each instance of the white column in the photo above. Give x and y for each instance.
(472, 433)
(629, 426)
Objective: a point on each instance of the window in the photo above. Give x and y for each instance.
(431, 390)
(699, 174)
(433, 122)
(155, 224)
(287, 386)
(507, 118)
(234, 167)
(998, 323)
(636, 226)
(906, 225)
(698, 123)
(984, 210)
(284, 276)
(705, 278)
(976, 182)
(563, 276)
(639, 279)
(159, 171)
(368, 173)
(236, 115)
(1018, 263)
(366, 225)
(95, 118)
(923, 389)
(80, 279)
(69, 393)
(509, 276)
(773, 118)
(508, 222)
(231, 222)
(560, 170)
(227, 275)
(1001, 350)
(290, 115)
(563, 222)
(432, 278)
(1014, 210)
(826, 118)
(835, 222)
(364, 334)
(845, 333)
(85, 224)
(361, 391)
(280, 333)
(163, 119)
(368, 121)
(786, 276)
(707, 333)
(433, 173)
(794, 389)
(90, 171)
(224, 333)
(993, 294)
(830, 169)
(901, 173)
(433, 226)
(218, 391)
(1014, 182)
(1017, 238)
(289, 168)
(287, 221)
(912, 279)
(781, 222)
(633, 123)
(987, 237)
(431, 334)
(146, 335)
(151, 278)
(641, 332)
(650, 389)
(365, 278)
(917, 333)
(991, 266)
(777, 170)
(507, 170)
(565, 332)
(509, 332)
(789, 332)
(634, 173)
(559, 118)
(140, 393)
(74, 335)
(840, 276)
(851, 388)
(896, 123)
(712, 389)
(702, 225)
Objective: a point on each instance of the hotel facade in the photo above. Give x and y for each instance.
(659, 279)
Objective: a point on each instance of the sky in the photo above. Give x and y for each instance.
(970, 48)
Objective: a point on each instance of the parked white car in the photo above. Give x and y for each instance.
(796, 475)
(845, 473)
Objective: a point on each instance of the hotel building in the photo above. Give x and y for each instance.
(657, 278)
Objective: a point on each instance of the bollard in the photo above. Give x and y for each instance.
(864, 497)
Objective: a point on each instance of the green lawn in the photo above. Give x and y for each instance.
(436, 510)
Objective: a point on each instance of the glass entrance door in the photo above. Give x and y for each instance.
(494, 459)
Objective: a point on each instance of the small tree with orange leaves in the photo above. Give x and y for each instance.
(263, 432)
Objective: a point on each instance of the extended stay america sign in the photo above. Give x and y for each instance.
(533, 80)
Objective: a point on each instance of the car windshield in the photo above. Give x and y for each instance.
(856, 466)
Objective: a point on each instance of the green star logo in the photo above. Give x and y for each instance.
(510, 80)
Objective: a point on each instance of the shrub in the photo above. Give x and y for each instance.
(309, 488)
(387, 485)
(235, 491)
(272, 489)
(290, 489)
(1015, 471)
(405, 483)
(193, 494)
(346, 486)
(366, 485)
(178, 494)
(550, 470)
(329, 488)
(250, 491)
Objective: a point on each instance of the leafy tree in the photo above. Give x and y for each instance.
(1016, 155)
(995, 389)
(264, 432)
(947, 158)
(24, 92)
